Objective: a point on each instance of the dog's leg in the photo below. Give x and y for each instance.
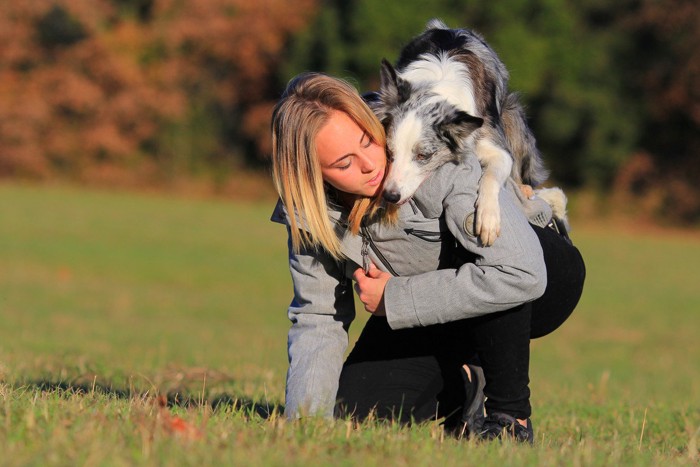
(496, 165)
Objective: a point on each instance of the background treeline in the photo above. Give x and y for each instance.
(143, 91)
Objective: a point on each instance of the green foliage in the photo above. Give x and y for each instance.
(564, 68)
(58, 28)
(108, 299)
(349, 38)
(139, 9)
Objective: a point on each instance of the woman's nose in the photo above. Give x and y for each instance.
(368, 164)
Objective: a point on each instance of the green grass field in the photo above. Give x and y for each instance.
(108, 300)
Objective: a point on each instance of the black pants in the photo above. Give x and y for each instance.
(414, 374)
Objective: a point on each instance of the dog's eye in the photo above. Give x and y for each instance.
(422, 157)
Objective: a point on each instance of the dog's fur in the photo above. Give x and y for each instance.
(448, 97)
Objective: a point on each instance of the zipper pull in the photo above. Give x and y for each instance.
(365, 254)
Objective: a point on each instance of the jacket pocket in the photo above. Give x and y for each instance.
(427, 235)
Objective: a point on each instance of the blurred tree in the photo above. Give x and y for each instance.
(349, 38)
(564, 69)
(141, 10)
(562, 58)
(224, 54)
(117, 89)
(96, 89)
(76, 100)
(662, 70)
(58, 28)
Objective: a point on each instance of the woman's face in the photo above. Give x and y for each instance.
(350, 161)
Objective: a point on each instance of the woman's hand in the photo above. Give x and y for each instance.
(527, 191)
(370, 288)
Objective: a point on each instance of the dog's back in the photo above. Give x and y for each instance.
(489, 80)
(446, 99)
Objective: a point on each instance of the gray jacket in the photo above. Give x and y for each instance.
(504, 275)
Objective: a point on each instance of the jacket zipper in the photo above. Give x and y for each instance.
(343, 278)
(365, 254)
(426, 235)
(367, 242)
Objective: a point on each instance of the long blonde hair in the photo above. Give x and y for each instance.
(304, 108)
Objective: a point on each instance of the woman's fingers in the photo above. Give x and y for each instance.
(374, 271)
(370, 289)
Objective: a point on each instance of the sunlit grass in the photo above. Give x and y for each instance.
(110, 299)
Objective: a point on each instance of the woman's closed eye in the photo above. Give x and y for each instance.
(343, 164)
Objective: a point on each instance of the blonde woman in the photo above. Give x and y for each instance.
(438, 298)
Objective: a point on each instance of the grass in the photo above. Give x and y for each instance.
(109, 300)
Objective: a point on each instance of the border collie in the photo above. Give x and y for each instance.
(448, 97)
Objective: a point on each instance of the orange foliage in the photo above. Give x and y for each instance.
(174, 425)
(641, 185)
(98, 89)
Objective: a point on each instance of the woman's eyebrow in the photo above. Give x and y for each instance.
(340, 158)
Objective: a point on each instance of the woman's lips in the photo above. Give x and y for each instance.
(377, 179)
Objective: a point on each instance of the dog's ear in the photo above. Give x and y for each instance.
(374, 100)
(393, 90)
(455, 128)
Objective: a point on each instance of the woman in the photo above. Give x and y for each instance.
(328, 166)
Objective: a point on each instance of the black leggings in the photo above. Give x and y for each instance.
(414, 374)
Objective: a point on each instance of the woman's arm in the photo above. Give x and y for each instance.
(321, 313)
(504, 275)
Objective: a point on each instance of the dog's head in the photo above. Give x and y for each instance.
(423, 132)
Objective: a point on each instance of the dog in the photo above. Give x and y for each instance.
(448, 97)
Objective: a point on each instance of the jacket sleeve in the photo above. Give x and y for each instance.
(504, 275)
(321, 313)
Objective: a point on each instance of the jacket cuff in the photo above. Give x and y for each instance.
(399, 305)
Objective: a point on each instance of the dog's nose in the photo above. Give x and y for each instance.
(392, 196)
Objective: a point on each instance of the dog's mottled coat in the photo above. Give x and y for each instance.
(448, 98)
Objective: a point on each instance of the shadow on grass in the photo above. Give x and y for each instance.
(221, 402)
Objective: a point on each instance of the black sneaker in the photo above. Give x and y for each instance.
(473, 411)
(499, 426)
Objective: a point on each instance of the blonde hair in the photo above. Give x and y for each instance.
(303, 110)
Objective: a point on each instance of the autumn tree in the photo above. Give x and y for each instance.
(74, 97)
(663, 72)
(603, 81)
(109, 88)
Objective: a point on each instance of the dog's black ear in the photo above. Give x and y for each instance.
(388, 88)
(393, 89)
(455, 128)
(374, 100)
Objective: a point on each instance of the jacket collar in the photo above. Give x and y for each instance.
(350, 244)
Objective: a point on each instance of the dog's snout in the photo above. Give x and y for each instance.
(392, 196)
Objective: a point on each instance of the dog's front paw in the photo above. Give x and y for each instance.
(488, 219)
(557, 200)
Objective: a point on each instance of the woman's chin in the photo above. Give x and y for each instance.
(373, 192)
